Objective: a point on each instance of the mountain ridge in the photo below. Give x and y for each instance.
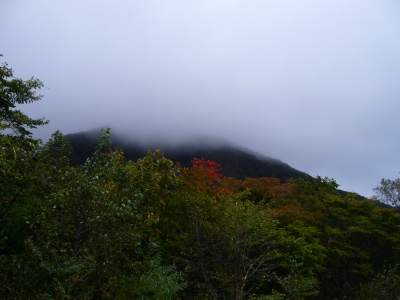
(236, 161)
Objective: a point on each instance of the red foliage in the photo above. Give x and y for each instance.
(205, 175)
(208, 169)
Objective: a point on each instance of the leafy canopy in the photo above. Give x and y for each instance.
(14, 92)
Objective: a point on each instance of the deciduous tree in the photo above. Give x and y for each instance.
(388, 192)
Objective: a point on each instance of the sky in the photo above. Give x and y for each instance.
(313, 83)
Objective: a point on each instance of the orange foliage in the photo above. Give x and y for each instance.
(288, 212)
(261, 188)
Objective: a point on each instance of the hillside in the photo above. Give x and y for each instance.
(235, 161)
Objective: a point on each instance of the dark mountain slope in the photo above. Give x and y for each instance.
(235, 161)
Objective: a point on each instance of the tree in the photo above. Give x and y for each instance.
(261, 189)
(385, 285)
(231, 246)
(16, 142)
(77, 232)
(357, 236)
(204, 176)
(90, 231)
(13, 92)
(388, 192)
(19, 152)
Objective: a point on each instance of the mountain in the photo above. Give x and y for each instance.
(236, 161)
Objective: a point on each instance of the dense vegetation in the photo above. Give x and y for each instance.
(117, 229)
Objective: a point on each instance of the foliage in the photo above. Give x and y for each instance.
(152, 281)
(388, 192)
(13, 92)
(261, 189)
(77, 232)
(204, 176)
(237, 163)
(91, 232)
(231, 248)
(117, 229)
(385, 285)
(357, 236)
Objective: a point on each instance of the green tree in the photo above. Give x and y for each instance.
(16, 142)
(13, 92)
(77, 232)
(384, 285)
(90, 231)
(357, 236)
(232, 246)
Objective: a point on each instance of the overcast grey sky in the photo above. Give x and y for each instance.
(315, 84)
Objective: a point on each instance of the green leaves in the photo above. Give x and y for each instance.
(86, 231)
(15, 91)
(231, 245)
(76, 232)
(118, 229)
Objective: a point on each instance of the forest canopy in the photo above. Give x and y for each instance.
(112, 228)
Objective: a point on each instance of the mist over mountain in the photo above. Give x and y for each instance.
(236, 161)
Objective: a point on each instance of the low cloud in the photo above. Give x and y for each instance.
(313, 84)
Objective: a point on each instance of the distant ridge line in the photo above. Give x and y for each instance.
(236, 161)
